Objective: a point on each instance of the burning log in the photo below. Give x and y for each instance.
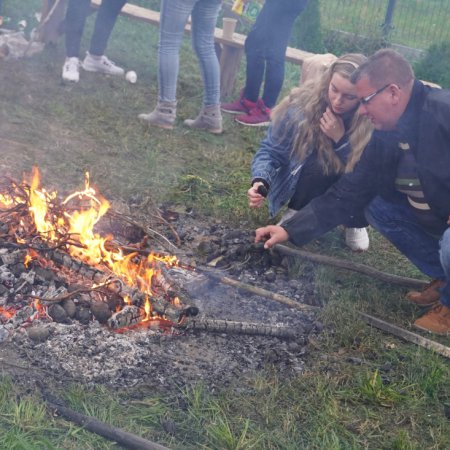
(127, 316)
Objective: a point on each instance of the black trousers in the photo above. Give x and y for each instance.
(312, 183)
(265, 49)
(76, 15)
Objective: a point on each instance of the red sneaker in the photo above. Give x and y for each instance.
(259, 116)
(239, 106)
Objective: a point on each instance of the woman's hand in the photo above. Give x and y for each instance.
(255, 199)
(332, 125)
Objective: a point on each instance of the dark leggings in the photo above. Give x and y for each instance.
(77, 12)
(265, 49)
(312, 183)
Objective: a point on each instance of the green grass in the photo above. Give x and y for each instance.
(393, 399)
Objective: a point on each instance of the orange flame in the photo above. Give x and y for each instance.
(39, 202)
(27, 260)
(80, 222)
(147, 308)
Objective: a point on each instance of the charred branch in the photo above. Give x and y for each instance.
(233, 327)
(147, 230)
(128, 440)
(258, 291)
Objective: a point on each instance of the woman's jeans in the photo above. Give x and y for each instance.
(398, 224)
(265, 49)
(174, 15)
(77, 12)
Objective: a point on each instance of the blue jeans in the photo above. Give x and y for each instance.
(76, 14)
(398, 224)
(265, 49)
(174, 15)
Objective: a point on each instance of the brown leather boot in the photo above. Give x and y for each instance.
(436, 321)
(209, 119)
(163, 116)
(429, 296)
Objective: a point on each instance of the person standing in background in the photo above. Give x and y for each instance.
(174, 16)
(95, 60)
(265, 50)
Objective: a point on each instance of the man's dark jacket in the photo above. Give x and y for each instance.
(425, 127)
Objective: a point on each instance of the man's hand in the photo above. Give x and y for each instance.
(272, 234)
(448, 221)
(255, 199)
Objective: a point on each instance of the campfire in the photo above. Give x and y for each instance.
(56, 266)
(92, 294)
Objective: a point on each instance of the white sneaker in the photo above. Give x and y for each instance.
(357, 239)
(71, 69)
(101, 64)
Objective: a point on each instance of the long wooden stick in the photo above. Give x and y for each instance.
(124, 438)
(356, 267)
(258, 291)
(406, 335)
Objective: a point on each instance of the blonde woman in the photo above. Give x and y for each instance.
(316, 135)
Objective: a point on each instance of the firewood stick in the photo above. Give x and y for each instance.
(238, 284)
(356, 267)
(128, 440)
(406, 335)
(233, 327)
(257, 290)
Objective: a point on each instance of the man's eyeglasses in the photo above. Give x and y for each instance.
(367, 99)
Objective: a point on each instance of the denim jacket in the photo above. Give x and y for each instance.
(278, 169)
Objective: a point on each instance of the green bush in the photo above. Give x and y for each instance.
(339, 42)
(307, 33)
(435, 65)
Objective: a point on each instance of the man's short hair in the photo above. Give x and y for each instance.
(385, 66)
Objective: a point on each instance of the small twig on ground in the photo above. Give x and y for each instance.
(406, 335)
(60, 298)
(145, 228)
(16, 366)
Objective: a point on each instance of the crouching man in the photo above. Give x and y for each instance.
(402, 180)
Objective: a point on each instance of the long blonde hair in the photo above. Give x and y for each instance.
(302, 109)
